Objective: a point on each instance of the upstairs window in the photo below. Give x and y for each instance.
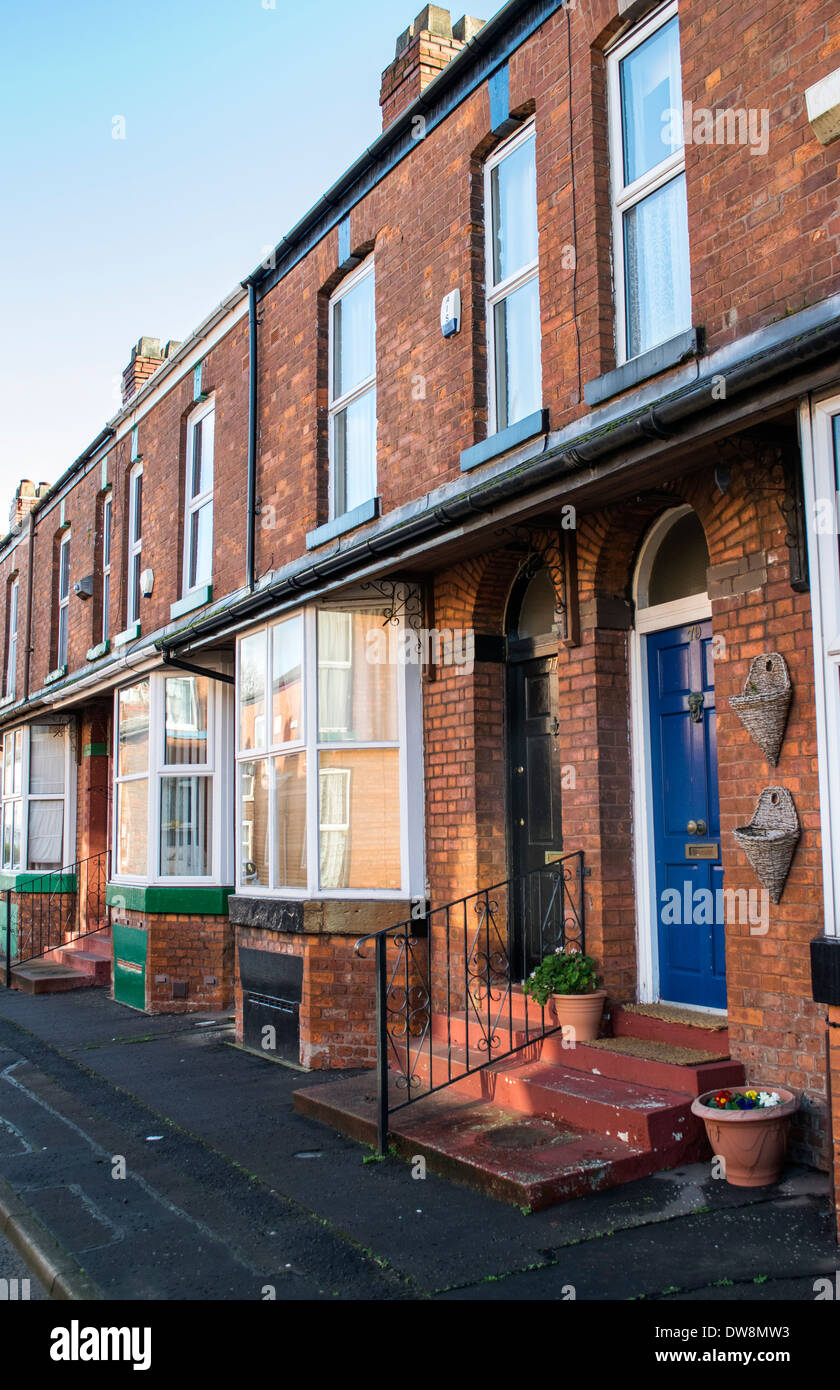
(650, 216)
(63, 599)
(512, 278)
(11, 640)
(198, 516)
(352, 392)
(135, 542)
(106, 568)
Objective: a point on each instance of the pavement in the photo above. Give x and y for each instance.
(150, 1158)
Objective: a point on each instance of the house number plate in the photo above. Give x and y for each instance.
(696, 851)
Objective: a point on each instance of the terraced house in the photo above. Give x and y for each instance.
(416, 585)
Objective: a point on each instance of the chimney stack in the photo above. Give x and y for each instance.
(26, 495)
(146, 357)
(423, 50)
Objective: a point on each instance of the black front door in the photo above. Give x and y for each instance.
(535, 776)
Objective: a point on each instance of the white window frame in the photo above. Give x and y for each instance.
(135, 544)
(11, 641)
(63, 601)
(68, 797)
(217, 767)
(409, 745)
(337, 405)
(817, 417)
(107, 514)
(626, 197)
(193, 502)
(494, 294)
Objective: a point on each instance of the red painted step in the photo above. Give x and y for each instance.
(525, 1159)
(88, 954)
(632, 1025)
(634, 1114)
(80, 964)
(690, 1078)
(44, 977)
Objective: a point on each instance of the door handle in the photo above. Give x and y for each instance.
(696, 827)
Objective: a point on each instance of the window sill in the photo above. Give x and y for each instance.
(181, 901)
(56, 675)
(101, 649)
(648, 364)
(196, 599)
(127, 635)
(7, 700)
(505, 440)
(340, 525)
(37, 881)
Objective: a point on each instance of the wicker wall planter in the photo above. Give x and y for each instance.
(763, 707)
(769, 840)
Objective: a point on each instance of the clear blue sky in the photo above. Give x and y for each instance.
(237, 117)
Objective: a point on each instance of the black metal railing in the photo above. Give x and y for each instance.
(51, 910)
(447, 1002)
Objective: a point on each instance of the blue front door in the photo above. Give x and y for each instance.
(686, 816)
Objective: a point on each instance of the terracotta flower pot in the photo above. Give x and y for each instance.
(752, 1143)
(582, 1012)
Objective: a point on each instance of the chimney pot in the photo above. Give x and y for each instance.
(25, 498)
(417, 62)
(146, 357)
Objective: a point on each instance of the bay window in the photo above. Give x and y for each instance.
(170, 780)
(650, 215)
(36, 831)
(352, 392)
(327, 803)
(512, 278)
(198, 516)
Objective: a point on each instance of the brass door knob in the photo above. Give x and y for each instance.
(696, 827)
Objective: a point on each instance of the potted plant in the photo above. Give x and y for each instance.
(567, 983)
(748, 1128)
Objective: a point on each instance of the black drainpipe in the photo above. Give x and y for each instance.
(252, 432)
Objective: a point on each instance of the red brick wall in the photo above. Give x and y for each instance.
(763, 232)
(337, 1027)
(192, 949)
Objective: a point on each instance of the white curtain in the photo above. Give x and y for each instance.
(334, 798)
(335, 674)
(46, 831)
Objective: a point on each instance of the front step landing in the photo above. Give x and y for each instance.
(46, 977)
(528, 1160)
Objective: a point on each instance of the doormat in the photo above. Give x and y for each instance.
(647, 1050)
(670, 1013)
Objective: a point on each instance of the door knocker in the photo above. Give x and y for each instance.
(695, 706)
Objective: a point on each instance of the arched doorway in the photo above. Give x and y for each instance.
(534, 832)
(677, 817)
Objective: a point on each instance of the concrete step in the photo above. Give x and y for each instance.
(528, 1160)
(47, 977)
(629, 1023)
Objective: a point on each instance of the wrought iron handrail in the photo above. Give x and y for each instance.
(453, 971)
(56, 913)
